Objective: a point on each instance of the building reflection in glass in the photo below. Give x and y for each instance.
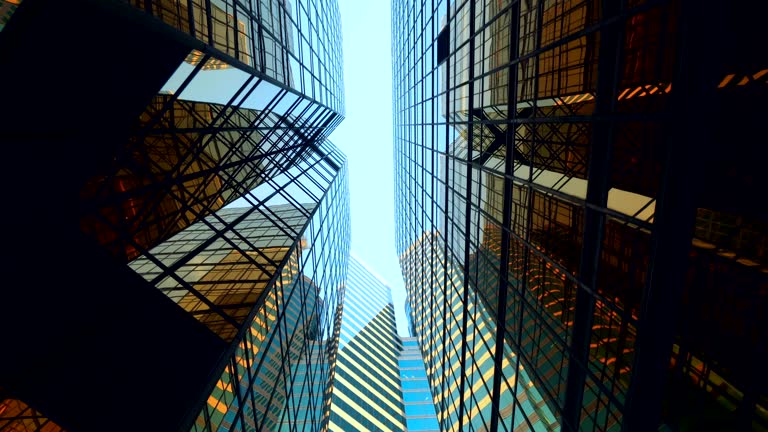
(533, 144)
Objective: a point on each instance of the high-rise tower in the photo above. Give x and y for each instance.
(575, 185)
(439, 310)
(366, 390)
(417, 395)
(141, 302)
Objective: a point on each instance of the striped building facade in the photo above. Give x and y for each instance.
(366, 393)
(457, 335)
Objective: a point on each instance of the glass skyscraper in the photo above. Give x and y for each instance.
(438, 309)
(146, 300)
(577, 219)
(284, 364)
(417, 395)
(366, 389)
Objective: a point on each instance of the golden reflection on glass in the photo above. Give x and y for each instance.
(146, 213)
(16, 416)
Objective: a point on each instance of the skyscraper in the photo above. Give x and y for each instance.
(417, 397)
(288, 365)
(366, 389)
(439, 309)
(564, 198)
(142, 302)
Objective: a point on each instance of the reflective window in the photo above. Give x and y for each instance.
(417, 396)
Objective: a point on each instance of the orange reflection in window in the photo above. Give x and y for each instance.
(16, 416)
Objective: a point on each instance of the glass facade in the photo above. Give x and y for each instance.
(366, 387)
(279, 376)
(211, 233)
(233, 115)
(417, 396)
(294, 42)
(460, 368)
(212, 133)
(578, 251)
(15, 415)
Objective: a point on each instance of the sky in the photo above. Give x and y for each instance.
(365, 136)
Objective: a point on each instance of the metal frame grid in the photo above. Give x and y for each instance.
(278, 373)
(15, 415)
(194, 152)
(265, 278)
(297, 43)
(245, 115)
(268, 278)
(533, 149)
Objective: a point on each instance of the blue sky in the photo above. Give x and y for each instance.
(365, 136)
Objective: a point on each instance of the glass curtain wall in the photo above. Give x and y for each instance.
(542, 150)
(243, 117)
(279, 374)
(417, 396)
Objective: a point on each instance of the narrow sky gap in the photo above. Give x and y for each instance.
(365, 136)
